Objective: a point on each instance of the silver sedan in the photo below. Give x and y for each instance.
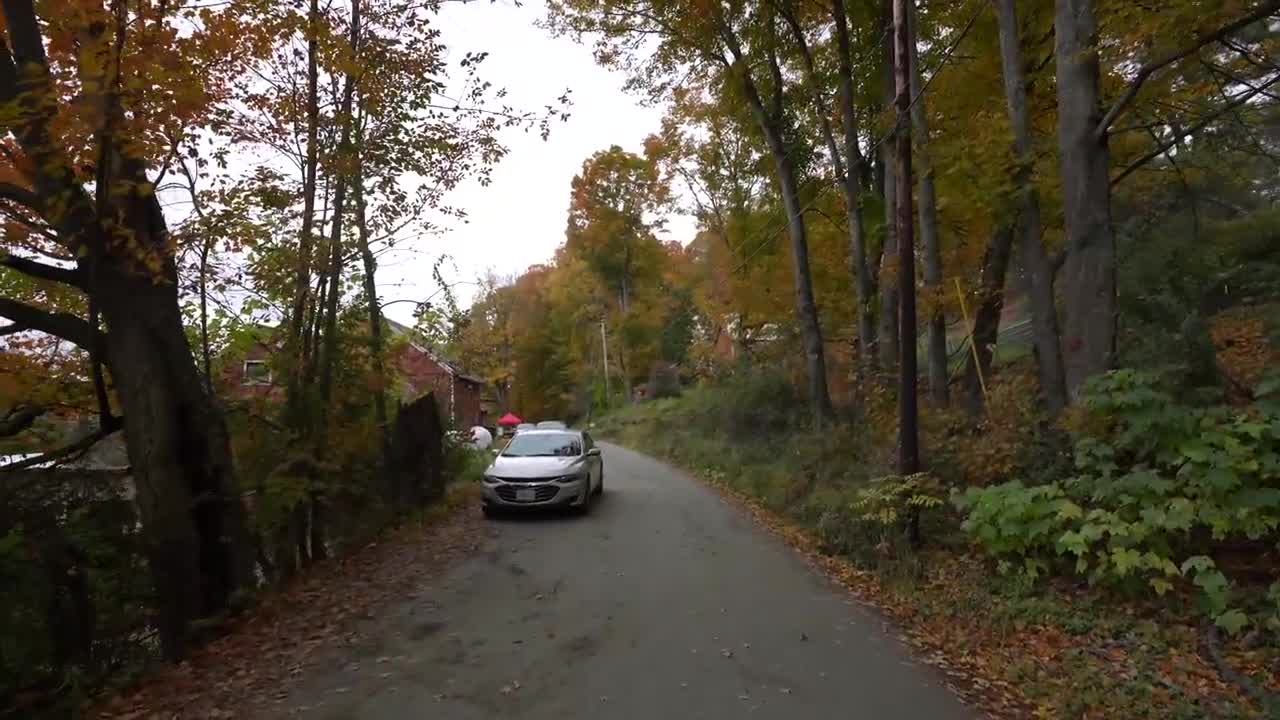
(545, 468)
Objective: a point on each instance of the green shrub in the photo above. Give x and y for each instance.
(891, 501)
(753, 403)
(1157, 486)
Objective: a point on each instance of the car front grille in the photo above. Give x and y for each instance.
(542, 493)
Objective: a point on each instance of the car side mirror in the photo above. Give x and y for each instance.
(593, 452)
(495, 451)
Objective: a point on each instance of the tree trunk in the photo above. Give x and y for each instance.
(205, 355)
(936, 345)
(341, 180)
(328, 356)
(315, 324)
(806, 308)
(298, 360)
(854, 169)
(327, 360)
(375, 314)
(193, 527)
(849, 172)
(193, 522)
(908, 418)
(889, 275)
(1089, 275)
(986, 319)
(1035, 261)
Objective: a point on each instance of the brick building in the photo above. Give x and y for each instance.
(422, 371)
(461, 396)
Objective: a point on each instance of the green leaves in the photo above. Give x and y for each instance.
(1233, 621)
(885, 501)
(1156, 480)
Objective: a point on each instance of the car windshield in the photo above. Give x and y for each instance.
(544, 445)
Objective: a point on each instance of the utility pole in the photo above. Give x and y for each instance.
(908, 410)
(604, 344)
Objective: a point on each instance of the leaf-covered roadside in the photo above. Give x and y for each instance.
(254, 665)
(1013, 649)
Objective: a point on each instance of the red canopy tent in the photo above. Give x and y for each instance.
(509, 420)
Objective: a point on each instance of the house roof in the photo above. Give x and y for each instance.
(406, 332)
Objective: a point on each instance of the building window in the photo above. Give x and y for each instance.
(256, 372)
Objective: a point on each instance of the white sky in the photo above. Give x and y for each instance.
(519, 219)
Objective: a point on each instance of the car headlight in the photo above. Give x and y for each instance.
(570, 478)
(491, 480)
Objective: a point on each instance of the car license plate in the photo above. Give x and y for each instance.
(526, 495)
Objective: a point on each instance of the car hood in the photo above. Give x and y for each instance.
(534, 467)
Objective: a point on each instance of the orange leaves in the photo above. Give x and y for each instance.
(1243, 347)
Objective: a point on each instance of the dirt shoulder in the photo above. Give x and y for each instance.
(265, 654)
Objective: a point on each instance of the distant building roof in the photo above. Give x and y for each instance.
(406, 332)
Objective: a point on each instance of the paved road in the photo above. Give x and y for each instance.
(664, 603)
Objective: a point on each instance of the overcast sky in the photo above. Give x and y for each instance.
(519, 219)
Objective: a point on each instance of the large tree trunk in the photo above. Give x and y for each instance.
(889, 273)
(1089, 275)
(986, 320)
(193, 527)
(1035, 261)
(936, 347)
(193, 522)
(908, 417)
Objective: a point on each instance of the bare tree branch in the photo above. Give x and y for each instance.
(20, 195)
(1192, 129)
(68, 327)
(1146, 71)
(42, 271)
(78, 447)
